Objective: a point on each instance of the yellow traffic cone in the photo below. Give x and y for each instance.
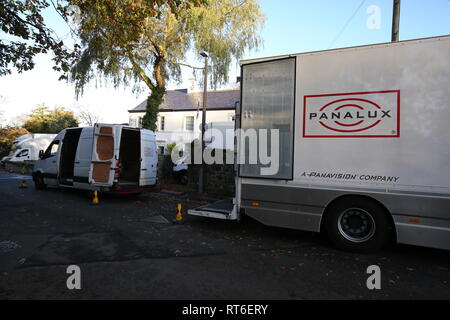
(95, 200)
(23, 184)
(179, 216)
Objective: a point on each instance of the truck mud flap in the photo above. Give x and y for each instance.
(222, 209)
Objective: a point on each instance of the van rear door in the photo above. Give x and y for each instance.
(148, 158)
(104, 154)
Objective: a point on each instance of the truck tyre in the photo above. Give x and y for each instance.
(358, 224)
(39, 181)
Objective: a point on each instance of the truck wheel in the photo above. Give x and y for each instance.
(358, 224)
(39, 181)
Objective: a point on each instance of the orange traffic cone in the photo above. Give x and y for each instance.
(179, 216)
(95, 200)
(23, 184)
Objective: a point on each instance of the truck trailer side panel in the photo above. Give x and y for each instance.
(370, 122)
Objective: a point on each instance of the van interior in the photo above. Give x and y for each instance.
(130, 156)
(129, 159)
(68, 152)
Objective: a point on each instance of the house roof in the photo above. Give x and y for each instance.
(181, 100)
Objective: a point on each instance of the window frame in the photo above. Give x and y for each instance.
(186, 123)
(162, 123)
(47, 153)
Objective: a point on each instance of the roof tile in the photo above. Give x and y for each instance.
(178, 100)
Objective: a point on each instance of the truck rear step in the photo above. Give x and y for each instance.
(222, 209)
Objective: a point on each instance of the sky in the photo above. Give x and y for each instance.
(292, 26)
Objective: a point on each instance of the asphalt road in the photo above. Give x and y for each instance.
(127, 248)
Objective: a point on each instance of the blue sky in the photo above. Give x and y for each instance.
(292, 26)
(305, 25)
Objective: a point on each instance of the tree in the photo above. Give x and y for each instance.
(87, 116)
(7, 136)
(27, 35)
(44, 120)
(128, 41)
(2, 101)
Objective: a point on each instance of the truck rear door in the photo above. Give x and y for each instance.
(104, 154)
(149, 159)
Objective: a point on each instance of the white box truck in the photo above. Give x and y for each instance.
(27, 146)
(105, 157)
(364, 140)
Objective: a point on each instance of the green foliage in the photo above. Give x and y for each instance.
(170, 147)
(127, 40)
(123, 40)
(25, 33)
(152, 109)
(44, 120)
(7, 136)
(27, 36)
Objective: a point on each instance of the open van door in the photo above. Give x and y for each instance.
(149, 159)
(104, 155)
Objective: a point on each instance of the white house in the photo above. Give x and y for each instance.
(180, 115)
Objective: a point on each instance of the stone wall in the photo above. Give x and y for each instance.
(219, 178)
(165, 165)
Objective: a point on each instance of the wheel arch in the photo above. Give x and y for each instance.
(345, 197)
(37, 171)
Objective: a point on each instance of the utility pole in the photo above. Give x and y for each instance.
(395, 20)
(201, 176)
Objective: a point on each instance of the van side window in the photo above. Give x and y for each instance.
(52, 149)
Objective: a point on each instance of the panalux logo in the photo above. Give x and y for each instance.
(352, 115)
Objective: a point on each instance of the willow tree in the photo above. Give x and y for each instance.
(130, 41)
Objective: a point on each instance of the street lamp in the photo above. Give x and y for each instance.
(201, 181)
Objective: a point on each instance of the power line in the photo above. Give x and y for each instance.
(346, 24)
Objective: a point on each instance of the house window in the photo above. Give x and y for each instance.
(162, 123)
(140, 122)
(189, 123)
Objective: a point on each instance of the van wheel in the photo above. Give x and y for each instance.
(358, 224)
(183, 179)
(39, 181)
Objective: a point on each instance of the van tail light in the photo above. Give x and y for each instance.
(117, 170)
